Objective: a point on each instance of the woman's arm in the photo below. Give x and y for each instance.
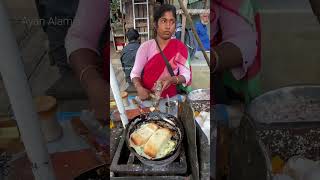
(81, 45)
(229, 56)
(139, 63)
(184, 71)
(238, 49)
(92, 81)
(140, 60)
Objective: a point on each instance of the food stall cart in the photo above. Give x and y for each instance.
(193, 158)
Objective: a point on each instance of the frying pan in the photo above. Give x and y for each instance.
(161, 119)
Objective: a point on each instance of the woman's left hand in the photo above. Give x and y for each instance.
(167, 81)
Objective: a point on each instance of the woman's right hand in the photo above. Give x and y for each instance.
(143, 93)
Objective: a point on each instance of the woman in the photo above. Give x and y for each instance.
(150, 65)
(236, 50)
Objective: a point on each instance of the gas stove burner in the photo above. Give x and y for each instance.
(125, 163)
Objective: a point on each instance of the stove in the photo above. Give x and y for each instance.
(126, 164)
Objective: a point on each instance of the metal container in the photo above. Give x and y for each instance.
(172, 108)
(294, 108)
(288, 104)
(199, 95)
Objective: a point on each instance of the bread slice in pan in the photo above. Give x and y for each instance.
(142, 135)
(156, 141)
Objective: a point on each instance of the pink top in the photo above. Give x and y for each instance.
(238, 32)
(92, 15)
(145, 53)
(87, 26)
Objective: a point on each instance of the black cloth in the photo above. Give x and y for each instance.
(58, 16)
(128, 56)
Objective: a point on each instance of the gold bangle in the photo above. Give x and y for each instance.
(177, 80)
(84, 70)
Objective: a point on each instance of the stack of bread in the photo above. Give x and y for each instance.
(152, 141)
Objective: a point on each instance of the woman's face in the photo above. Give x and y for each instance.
(166, 25)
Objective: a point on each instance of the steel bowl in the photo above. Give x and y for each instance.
(164, 120)
(197, 95)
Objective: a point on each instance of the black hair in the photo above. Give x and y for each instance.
(132, 34)
(159, 12)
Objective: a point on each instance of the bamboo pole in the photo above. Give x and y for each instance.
(184, 23)
(122, 21)
(194, 11)
(194, 31)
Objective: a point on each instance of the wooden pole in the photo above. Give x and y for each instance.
(122, 21)
(184, 23)
(194, 11)
(194, 31)
(151, 21)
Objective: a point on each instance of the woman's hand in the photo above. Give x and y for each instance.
(143, 93)
(91, 80)
(168, 81)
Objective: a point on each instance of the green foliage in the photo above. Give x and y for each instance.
(115, 4)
